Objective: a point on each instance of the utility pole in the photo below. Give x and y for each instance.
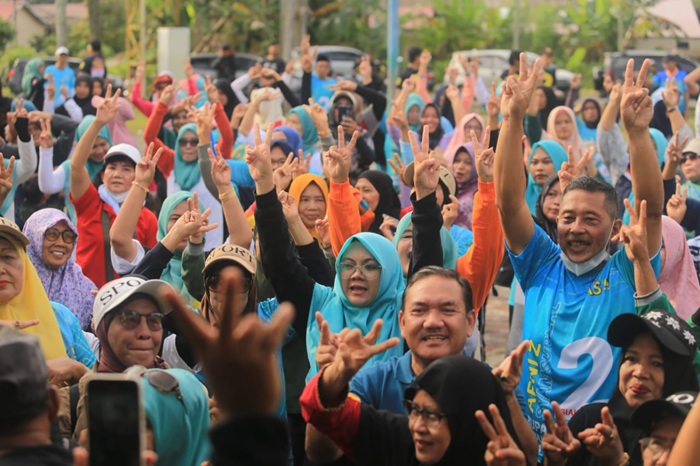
(392, 49)
(293, 21)
(61, 26)
(516, 29)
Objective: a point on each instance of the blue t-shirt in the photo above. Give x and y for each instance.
(322, 91)
(660, 81)
(77, 346)
(382, 384)
(62, 77)
(566, 320)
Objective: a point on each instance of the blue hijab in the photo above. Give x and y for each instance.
(417, 101)
(187, 174)
(293, 138)
(339, 313)
(181, 437)
(449, 247)
(660, 143)
(556, 152)
(309, 133)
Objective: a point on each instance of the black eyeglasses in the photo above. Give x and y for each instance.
(213, 283)
(688, 156)
(190, 142)
(132, 319)
(68, 236)
(347, 268)
(431, 419)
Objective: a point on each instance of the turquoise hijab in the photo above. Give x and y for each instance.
(93, 167)
(173, 272)
(660, 143)
(414, 100)
(309, 134)
(181, 437)
(339, 313)
(187, 174)
(449, 247)
(558, 155)
(31, 71)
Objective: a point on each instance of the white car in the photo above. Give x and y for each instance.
(493, 62)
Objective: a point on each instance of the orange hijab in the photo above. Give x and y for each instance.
(299, 185)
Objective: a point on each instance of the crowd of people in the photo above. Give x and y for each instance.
(309, 270)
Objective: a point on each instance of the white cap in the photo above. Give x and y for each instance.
(124, 149)
(62, 50)
(117, 291)
(693, 146)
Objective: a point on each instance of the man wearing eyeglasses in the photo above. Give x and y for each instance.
(128, 321)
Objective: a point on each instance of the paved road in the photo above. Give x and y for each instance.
(497, 326)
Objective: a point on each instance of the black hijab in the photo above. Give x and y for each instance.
(436, 136)
(593, 124)
(660, 120)
(85, 104)
(547, 225)
(552, 102)
(389, 202)
(461, 386)
(224, 87)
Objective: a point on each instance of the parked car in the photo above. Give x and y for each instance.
(203, 63)
(17, 72)
(617, 62)
(492, 63)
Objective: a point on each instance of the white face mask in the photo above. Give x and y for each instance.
(582, 268)
(119, 197)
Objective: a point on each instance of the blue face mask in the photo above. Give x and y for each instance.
(582, 268)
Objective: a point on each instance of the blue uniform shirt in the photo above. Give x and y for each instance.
(383, 383)
(566, 319)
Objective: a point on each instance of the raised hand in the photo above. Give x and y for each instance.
(289, 206)
(452, 93)
(254, 71)
(241, 348)
(365, 69)
(517, 94)
(146, 168)
(282, 176)
(338, 158)
(220, 172)
(634, 235)
(676, 206)
(501, 449)
(576, 81)
(493, 104)
(323, 231)
(409, 85)
(269, 73)
(212, 91)
(328, 343)
(603, 440)
(346, 85)
(258, 159)
(167, 95)
(50, 88)
(426, 167)
(570, 170)
(189, 70)
(197, 222)
(302, 167)
(45, 137)
(484, 156)
(674, 151)
(388, 227)
(307, 56)
(424, 60)
(318, 116)
(398, 166)
(450, 212)
(558, 443)
(508, 372)
(6, 177)
(636, 107)
(671, 95)
(109, 106)
(204, 118)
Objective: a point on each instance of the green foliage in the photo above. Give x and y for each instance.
(7, 59)
(7, 34)
(360, 24)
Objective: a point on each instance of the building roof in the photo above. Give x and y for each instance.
(681, 13)
(45, 12)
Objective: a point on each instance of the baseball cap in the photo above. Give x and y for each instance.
(668, 329)
(61, 51)
(23, 377)
(10, 228)
(444, 175)
(124, 149)
(676, 405)
(118, 291)
(693, 146)
(230, 253)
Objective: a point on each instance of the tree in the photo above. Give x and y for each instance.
(7, 34)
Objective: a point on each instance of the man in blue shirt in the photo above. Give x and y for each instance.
(671, 71)
(319, 84)
(573, 290)
(62, 75)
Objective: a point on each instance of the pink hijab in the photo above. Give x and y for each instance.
(678, 278)
(458, 139)
(574, 140)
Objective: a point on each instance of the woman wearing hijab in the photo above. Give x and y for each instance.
(52, 240)
(660, 120)
(588, 120)
(377, 190)
(33, 82)
(226, 96)
(439, 427)
(80, 105)
(547, 208)
(300, 120)
(546, 159)
(678, 278)
(403, 241)
(311, 195)
(438, 135)
(470, 122)
(52, 181)
(656, 362)
(178, 418)
(463, 166)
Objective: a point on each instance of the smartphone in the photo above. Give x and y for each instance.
(116, 421)
(344, 111)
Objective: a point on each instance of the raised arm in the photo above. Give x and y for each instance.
(636, 109)
(79, 177)
(122, 232)
(510, 183)
(671, 97)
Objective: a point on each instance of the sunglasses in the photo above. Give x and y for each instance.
(161, 380)
(132, 319)
(68, 236)
(190, 142)
(688, 156)
(213, 283)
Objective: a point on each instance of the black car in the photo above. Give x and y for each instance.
(617, 62)
(17, 72)
(202, 63)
